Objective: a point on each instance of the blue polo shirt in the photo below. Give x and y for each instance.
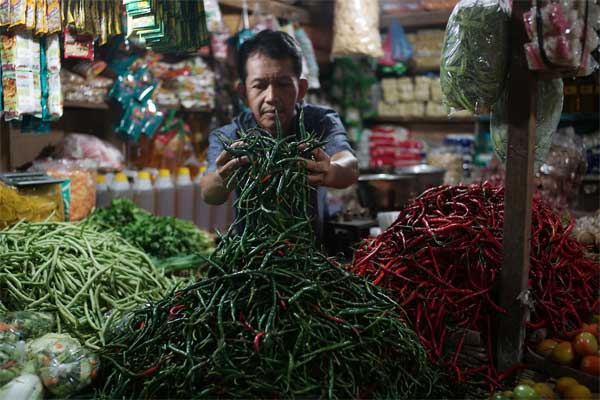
(322, 120)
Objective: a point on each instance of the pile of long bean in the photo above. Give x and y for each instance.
(274, 317)
(85, 277)
(442, 259)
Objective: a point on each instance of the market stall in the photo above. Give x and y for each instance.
(463, 262)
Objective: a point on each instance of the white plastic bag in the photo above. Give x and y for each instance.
(356, 29)
(549, 108)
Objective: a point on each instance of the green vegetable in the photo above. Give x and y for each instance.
(23, 325)
(274, 317)
(24, 387)
(64, 366)
(12, 359)
(525, 392)
(84, 277)
(162, 238)
(474, 61)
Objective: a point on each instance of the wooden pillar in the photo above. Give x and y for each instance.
(518, 197)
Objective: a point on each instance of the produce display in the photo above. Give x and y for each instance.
(441, 259)
(475, 55)
(172, 243)
(565, 387)
(83, 276)
(587, 230)
(274, 317)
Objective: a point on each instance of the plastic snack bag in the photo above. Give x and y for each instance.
(64, 366)
(79, 146)
(474, 61)
(356, 29)
(549, 108)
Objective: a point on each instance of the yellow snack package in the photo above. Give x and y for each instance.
(53, 14)
(18, 12)
(30, 14)
(41, 19)
(4, 12)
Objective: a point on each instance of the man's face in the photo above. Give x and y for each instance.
(271, 85)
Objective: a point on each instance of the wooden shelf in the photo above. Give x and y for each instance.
(419, 19)
(274, 7)
(89, 106)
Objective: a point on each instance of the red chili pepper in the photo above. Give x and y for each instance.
(257, 339)
(141, 325)
(174, 311)
(265, 178)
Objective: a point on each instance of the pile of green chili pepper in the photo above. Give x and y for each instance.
(274, 317)
(86, 278)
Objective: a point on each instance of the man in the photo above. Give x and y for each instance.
(269, 68)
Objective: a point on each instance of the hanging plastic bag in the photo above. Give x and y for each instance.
(401, 48)
(474, 61)
(549, 108)
(387, 60)
(311, 59)
(561, 174)
(356, 29)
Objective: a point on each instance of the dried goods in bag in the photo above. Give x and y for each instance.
(474, 61)
(356, 29)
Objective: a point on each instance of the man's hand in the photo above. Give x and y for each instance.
(338, 171)
(214, 184)
(227, 164)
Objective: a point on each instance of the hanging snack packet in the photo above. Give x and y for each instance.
(41, 21)
(30, 14)
(78, 46)
(18, 12)
(4, 12)
(53, 14)
(356, 29)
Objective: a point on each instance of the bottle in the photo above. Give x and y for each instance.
(184, 189)
(143, 192)
(165, 194)
(201, 209)
(102, 194)
(120, 188)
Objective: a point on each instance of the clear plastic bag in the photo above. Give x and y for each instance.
(356, 29)
(79, 146)
(549, 108)
(474, 61)
(562, 172)
(63, 365)
(401, 48)
(24, 325)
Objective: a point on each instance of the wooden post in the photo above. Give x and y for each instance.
(518, 197)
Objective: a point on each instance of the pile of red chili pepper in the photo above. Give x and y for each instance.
(274, 318)
(442, 260)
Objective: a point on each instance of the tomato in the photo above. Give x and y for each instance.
(546, 346)
(525, 392)
(544, 391)
(591, 364)
(578, 392)
(585, 343)
(563, 353)
(591, 328)
(564, 383)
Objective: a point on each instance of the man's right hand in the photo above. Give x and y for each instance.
(213, 185)
(227, 164)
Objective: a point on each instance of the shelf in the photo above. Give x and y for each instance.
(276, 8)
(419, 19)
(82, 104)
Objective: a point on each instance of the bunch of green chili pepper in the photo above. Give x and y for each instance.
(86, 278)
(274, 317)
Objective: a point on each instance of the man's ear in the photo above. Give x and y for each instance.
(302, 88)
(241, 89)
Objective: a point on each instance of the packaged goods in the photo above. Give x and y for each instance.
(474, 60)
(356, 29)
(82, 178)
(79, 146)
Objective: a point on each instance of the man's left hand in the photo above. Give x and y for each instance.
(338, 171)
(318, 169)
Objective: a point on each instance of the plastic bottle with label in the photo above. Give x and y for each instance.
(102, 194)
(165, 194)
(184, 189)
(120, 188)
(201, 209)
(143, 192)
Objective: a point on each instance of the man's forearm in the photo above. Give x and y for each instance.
(343, 171)
(213, 189)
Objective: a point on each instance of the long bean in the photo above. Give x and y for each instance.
(58, 267)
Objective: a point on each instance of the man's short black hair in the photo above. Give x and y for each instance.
(273, 44)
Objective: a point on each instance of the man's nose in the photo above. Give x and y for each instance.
(270, 94)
